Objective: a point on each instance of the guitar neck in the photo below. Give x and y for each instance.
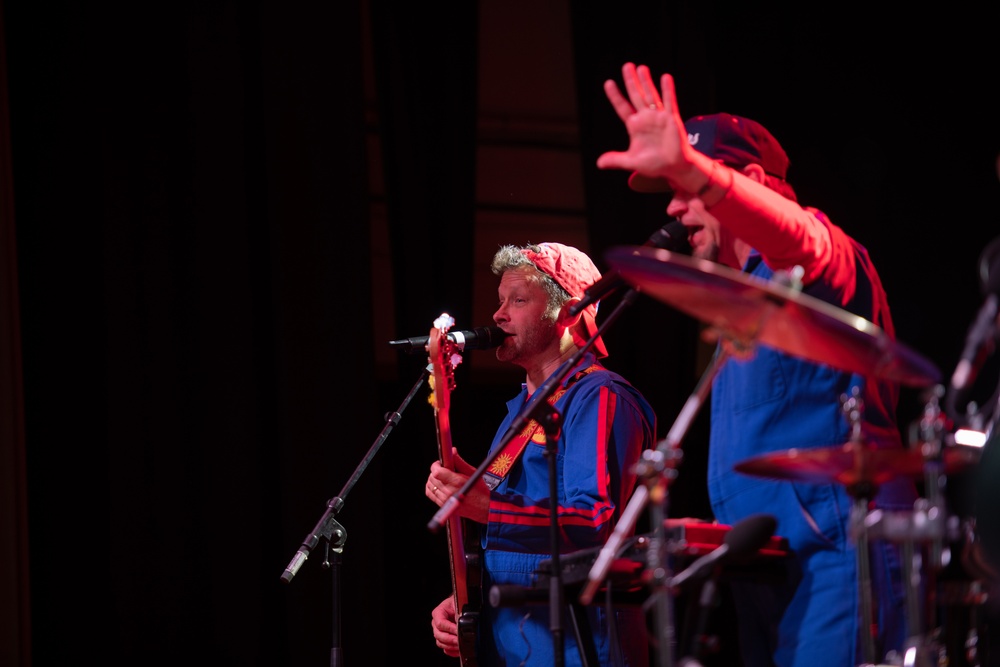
(466, 605)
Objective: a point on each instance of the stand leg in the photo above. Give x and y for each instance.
(864, 579)
(584, 638)
(336, 650)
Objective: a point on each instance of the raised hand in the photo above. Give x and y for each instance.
(658, 145)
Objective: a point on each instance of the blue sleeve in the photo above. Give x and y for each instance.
(605, 427)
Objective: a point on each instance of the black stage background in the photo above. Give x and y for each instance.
(193, 288)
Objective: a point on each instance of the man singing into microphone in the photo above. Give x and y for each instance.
(726, 176)
(605, 425)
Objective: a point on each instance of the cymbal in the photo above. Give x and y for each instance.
(853, 463)
(749, 310)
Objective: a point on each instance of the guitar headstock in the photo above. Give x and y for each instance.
(443, 356)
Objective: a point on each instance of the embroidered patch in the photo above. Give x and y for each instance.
(502, 464)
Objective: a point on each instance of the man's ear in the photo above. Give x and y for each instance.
(755, 172)
(565, 318)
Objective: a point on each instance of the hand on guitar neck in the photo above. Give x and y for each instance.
(444, 625)
(443, 483)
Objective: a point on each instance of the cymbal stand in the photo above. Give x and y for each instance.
(932, 425)
(863, 523)
(907, 528)
(654, 470)
(861, 491)
(929, 525)
(926, 523)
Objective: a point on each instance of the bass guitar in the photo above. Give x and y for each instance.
(463, 548)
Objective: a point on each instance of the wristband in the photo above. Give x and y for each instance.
(708, 184)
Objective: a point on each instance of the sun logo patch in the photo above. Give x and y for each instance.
(501, 464)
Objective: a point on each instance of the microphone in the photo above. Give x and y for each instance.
(511, 595)
(980, 340)
(746, 537)
(480, 338)
(978, 344)
(672, 236)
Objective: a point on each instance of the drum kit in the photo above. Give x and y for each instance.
(742, 311)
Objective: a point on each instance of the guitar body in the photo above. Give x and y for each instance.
(463, 548)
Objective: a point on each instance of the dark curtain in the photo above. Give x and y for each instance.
(425, 61)
(193, 246)
(604, 38)
(15, 592)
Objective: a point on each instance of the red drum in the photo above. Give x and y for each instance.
(693, 537)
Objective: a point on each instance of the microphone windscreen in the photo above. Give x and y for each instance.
(510, 595)
(750, 534)
(673, 236)
(989, 268)
(484, 338)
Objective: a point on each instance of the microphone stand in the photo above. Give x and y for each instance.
(701, 642)
(333, 533)
(672, 236)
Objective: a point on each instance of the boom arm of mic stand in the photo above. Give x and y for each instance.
(327, 527)
(671, 234)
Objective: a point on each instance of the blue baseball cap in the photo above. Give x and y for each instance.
(733, 140)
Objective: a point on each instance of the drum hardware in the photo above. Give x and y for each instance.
(654, 471)
(861, 469)
(862, 491)
(686, 540)
(742, 311)
(941, 641)
(925, 523)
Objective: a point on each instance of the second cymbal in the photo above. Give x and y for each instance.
(852, 463)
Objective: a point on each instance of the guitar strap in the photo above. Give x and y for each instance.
(533, 432)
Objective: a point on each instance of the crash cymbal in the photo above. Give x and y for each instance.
(852, 463)
(749, 310)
